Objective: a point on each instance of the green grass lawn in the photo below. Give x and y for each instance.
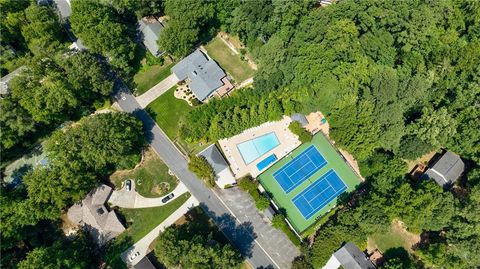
(142, 220)
(169, 112)
(151, 178)
(284, 200)
(150, 76)
(220, 52)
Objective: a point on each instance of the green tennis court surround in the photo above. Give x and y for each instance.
(316, 174)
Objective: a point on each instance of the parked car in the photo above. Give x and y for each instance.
(167, 198)
(133, 256)
(128, 185)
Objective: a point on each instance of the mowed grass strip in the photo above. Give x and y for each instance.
(142, 220)
(151, 76)
(228, 60)
(283, 200)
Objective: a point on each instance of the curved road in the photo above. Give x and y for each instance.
(242, 235)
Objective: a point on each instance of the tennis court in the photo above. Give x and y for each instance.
(299, 169)
(319, 194)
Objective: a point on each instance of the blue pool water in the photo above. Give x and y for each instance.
(266, 162)
(254, 148)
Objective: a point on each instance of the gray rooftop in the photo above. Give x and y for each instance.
(214, 158)
(144, 263)
(351, 257)
(204, 73)
(92, 214)
(300, 118)
(447, 169)
(151, 33)
(6, 79)
(64, 8)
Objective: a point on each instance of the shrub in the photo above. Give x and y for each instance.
(249, 185)
(280, 223)
(303, 135)
(202, 169)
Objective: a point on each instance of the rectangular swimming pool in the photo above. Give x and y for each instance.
(256, 147)
(266, 162)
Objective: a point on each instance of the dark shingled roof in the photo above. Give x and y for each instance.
(351, 257)
(204, 73)
(214, 158)
(447, 169)
(144, 263)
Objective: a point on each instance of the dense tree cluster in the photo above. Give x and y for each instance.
(202, 169)
(191, 246)
(105, 31)
(249, 185)
(303, 135)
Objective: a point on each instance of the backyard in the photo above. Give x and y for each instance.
(151, 177)
(395, 237)
(150, 75)
(169, 112)
(228, 60)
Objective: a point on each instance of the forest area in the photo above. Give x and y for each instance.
(395, 79)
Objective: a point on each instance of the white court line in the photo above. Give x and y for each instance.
(294, 159)
(298, 182)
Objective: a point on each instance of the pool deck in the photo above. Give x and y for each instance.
(288, 142)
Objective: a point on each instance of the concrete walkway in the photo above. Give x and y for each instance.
(157, 90)
(143, 244)
(246, 82)
(132, 199)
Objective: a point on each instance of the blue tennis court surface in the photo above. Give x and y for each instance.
(319, 194)
(299, 169)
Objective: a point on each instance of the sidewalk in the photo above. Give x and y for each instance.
(143, 244)
(157, 90)
(131, 199)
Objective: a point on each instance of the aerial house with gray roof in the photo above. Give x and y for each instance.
(446, 169)
(214, 157)
(349, 256)
(203, 75)
(150, 30)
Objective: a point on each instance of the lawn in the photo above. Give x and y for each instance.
(142, 220)
(396, 237)
(228, 60)
(284, 200)
(169, 112)
(151, 177)
(149, 76)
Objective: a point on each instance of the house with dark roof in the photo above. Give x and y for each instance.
(6, 79)
(203, 75)
(220, 166)
(92, 214)
(446, 169)
(144, 263)
(150, 32)
(349, 256)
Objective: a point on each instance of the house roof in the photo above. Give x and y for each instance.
(5, 79)
(64, 8)
(144, 263)
(351, 257)
(214, 158)
(151, 32)
(92, 213)
(447, 169)
(204, 73)
(300, 118)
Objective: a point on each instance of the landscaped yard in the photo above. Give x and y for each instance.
(228, 60)
(149, 76)
(151, 177)
(142, 220)
(396, 237)
(169, 112)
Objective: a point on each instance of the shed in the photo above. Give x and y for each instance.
(446, 170)
(150, 31)
(204, 74)
(300, 118)
(220, 166)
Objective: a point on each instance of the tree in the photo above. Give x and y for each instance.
(435, 127)
(15, 121)
(411, 147)
(202, 169)
(303, 135)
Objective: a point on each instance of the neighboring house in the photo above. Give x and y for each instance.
(300, 118)
(223, 174)
(144, 263)
(349, 257)
(91, 213)
(446, 170)
(65, 10)
(203, 75)
(150, 32)
(4, 90)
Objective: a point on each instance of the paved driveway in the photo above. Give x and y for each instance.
(132, 199)
(242, 234)
(157, 90)
(143, 244)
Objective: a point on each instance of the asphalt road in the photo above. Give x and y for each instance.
(240, 234)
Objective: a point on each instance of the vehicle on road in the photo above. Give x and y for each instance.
(128, 185)
(167, 198)
(133, 256)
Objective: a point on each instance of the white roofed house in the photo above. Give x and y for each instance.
(220, 166)
(92, 214)
(203, 75)
(150, 30)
